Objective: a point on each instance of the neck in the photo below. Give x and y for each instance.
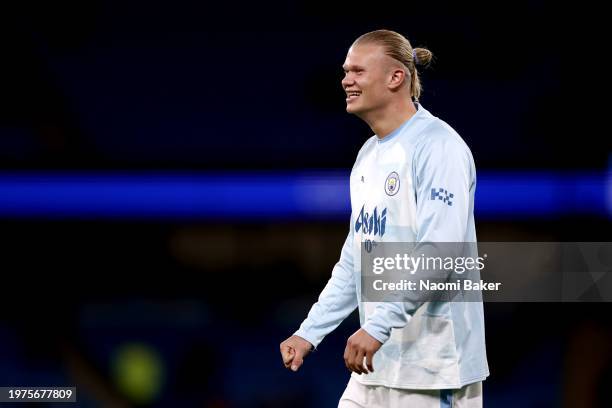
(386, 120)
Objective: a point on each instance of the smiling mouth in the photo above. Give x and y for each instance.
(352, 95)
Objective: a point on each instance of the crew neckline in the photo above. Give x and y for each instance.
(397, 130)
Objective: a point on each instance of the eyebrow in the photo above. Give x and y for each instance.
(352, 67)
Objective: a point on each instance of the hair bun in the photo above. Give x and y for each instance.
(421, 56)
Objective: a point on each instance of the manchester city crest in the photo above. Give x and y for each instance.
(392, 184)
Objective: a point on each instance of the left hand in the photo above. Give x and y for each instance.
(359, 346)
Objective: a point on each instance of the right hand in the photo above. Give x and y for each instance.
(293, 350)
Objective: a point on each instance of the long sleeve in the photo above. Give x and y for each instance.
(337, 300)
(445, 178)
(444, 175)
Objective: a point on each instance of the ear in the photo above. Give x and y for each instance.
(397, 78)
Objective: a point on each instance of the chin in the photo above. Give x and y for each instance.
(352, 109)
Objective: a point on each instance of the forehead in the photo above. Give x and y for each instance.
(364, 55)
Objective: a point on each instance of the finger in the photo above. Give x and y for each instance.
(369, 362)
(349, 357)
(352, 366)
(288, 354)
(358, 362)
(297, 362)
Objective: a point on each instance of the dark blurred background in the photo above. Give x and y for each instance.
(174, 189)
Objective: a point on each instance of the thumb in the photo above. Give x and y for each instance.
(298, 360)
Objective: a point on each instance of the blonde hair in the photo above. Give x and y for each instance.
(398, 47)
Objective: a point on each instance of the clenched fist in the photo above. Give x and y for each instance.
(293, 350)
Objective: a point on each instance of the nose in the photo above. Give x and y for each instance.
(347, 81)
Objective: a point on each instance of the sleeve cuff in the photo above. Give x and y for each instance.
(303, 335)
(376, 331)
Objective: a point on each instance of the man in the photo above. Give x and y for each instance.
(414, 180)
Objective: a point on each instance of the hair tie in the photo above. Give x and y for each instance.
(414, 56)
